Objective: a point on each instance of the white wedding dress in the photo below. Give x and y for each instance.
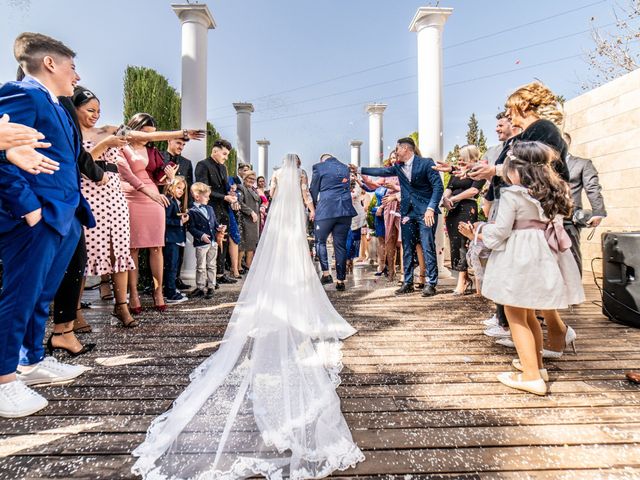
(265, 402)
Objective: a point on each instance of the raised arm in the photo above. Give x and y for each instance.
(379, 172)
(137, 135)
(437, 189)
(494, 235)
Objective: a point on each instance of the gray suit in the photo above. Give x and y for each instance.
(583, 176)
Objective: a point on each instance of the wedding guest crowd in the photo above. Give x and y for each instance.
(101, 194)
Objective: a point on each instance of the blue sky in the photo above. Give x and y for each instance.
(263, 51)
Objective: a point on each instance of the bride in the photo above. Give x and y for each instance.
(265, 402)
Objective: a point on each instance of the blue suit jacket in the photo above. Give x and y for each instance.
(175, 232)
(199, 225)
(330, 190)
(423, 191)
(59, 194)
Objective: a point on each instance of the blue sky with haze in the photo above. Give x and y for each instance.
(263, 51)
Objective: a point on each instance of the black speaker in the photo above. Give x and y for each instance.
(621, 287)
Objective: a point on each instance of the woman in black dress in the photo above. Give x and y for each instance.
(461, 201)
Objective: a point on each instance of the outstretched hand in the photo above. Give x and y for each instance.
(443, 167)
(27, 158)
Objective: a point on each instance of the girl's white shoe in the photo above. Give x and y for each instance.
(569, 339)
(514, 380)
(518, 366)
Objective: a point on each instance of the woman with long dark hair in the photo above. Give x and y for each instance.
(147, 214)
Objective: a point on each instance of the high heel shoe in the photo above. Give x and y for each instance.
(569, 339)
(467, 290)
(159, 308)
(384, 271)
(132, 310)
(50, 348)
(109, 294)
(127, 320)
(80, 325)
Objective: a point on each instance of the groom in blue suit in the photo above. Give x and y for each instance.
(41, 217)
(421, 190)
(331, 193)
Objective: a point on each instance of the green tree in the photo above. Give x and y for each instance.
(475, 135)
(232, 161)
(145, 90)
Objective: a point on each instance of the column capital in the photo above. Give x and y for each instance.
(356, 143)
(194, 12)
(429, 17)
(374, 108)
(243, 107)
(263, 143)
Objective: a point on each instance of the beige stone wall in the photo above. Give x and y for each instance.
(605, 126)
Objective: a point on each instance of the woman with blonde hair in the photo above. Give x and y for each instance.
(461, 201)
(535, 109)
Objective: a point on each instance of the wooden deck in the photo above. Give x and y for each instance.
(419, 392)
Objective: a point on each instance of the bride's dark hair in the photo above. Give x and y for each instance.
(532, 161)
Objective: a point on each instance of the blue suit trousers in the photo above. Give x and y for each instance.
(412, 231)
(338, 227)
(35, 260)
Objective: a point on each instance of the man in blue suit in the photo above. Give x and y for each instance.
(331, 193)
(421, 190)
(41, 217)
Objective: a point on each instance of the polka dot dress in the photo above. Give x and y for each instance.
(111, 233)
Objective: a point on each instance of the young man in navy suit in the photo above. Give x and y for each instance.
(331, 193)
(421, 190)
(41, 217)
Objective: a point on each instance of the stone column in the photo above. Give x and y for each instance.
(375, 111)
(263, 158)
(428, 22)
(355, 152)
(196, 20)
(244, 111)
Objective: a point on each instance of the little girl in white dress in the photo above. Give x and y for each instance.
(530, 267)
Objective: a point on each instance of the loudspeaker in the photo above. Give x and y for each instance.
(621, 287)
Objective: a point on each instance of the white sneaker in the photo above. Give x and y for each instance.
(497, 331)
(50, 371)
(490, 322)
(506, 342)
(18, 400)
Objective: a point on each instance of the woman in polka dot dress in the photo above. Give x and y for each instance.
(108, 245)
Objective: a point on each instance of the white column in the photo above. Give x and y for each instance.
(375, 133)
(243, 131)
(355, 152)
(428, 22)
(195, 19)
(263, 158)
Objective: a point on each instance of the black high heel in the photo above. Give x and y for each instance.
(50, 348)
(129, 322)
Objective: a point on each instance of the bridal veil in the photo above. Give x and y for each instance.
(265, 402)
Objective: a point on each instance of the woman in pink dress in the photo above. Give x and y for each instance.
(147, 215)
(264, 199)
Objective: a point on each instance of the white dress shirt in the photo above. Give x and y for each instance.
(406, 167)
